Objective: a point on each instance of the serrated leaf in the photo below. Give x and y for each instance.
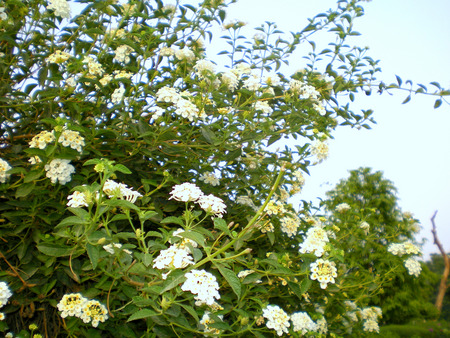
(121, 168)
(219, 223)
(93, 253)
(142, 314)
(32, 175)
(172, 219)
(54, 250)
(174, 279)
(24, 190)
(195, 236)
(191, 311)
(231, 278)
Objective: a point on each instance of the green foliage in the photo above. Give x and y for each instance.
(103, 118)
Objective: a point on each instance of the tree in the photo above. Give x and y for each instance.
(376, 232)
(141, 184)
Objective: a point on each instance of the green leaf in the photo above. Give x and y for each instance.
(173, 219)
(438, 103)
(231, 278)
(305, 285)
(407, 99)
(121, 168)
(209, 135)
(32, 175)
(399, 80)
(55, 250)
(93, 253)
(195, 236)
(174, 279)
(141, 314)
(24, 190)
(191, 311)
(117, 203)
(220, 224)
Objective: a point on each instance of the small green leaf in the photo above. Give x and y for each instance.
(407, 99)
(399, 80)
(54, 250)
(220, 224)
(195, 236)
(93, 253)
(191, 311)
(231, 278)
(24, 190)
(32, 175)
(117, 203)
(141, 314)
(173, 219)
(175, 278)
(121, 168)
(438, 103)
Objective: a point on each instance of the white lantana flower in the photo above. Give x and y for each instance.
(42, 139)
(209, 178)
(93, 312)
(4, 167)
(72, 139)
(343, 207)
(59, 170)
(213, 205)
(413, 266)
(71, 305)
(122, 54)
(61, 8)
(324, 272)
(202, 284)
(117, 95)
(301, 321)
(77, 200)
(5, 293)
(186, 192)
(277, 319)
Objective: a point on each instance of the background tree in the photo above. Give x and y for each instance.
(365, 208)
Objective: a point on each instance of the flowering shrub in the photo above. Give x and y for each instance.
(143, 186)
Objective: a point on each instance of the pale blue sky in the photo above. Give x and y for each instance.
(410, 143)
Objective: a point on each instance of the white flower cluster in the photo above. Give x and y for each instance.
(94, 68)
(252, 83)
(365, 226)
(183, 107)
(370, 316)
(315, 241)
(202, 284)
(301, 321)
(58, 57)
(405, 248)
(185, 54)
(204, 68)
(5, 294)
(324, 272)
(61, 8)
(42, 139)
(90, 311)
(189, 192)
(206, 321)
(119, 190)
(4, 167)
(3, 15)
(113, 247)
(275, 208)
(117, 95)
(413, 266)
(320, 150)
(246, 200)
(72, 139)
(122, 54)
(289, 226)
(264, 107)
(343, 207)
(209, 178)
(77, 200)
(277, 319)
(59, 170)
(230, 79)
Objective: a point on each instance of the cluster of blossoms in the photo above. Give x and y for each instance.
(413, 266)
(5, 294)
(89, 311)
(94, 67)
(370, 316)
(209, 178)
(183, 107)
(204, 68)
(320, 150)
(365, 226)
(406, 248)
(117, 95)
(275, 208)
(113, 247)
(324, 272)
(59, 170)
(68, 138)
(61, 8)
(315, 241)
(189, 192)
(177, 256)
(308, 92)
(4, 167)
(58, 57)
(119, 190)
(343, 207)
(246, 200)
(185, 54)
(202, 284)
(278, 320)
(77, 200)
(289, 226)
(122, 54)
(206, 321)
